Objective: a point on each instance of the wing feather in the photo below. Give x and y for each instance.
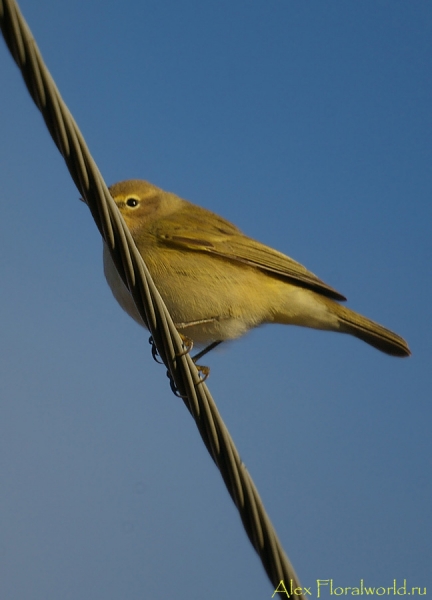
(221, 238)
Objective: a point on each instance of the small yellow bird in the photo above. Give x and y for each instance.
(218, 283)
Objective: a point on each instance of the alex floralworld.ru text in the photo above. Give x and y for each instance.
(327, 587)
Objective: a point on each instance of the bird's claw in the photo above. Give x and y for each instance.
(204, 372)
(154, 351)
(187, 344)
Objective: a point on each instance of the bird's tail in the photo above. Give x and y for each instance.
(370, 332)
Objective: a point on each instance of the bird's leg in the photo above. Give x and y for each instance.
(188, 345)
(204, 371)
(206, 350)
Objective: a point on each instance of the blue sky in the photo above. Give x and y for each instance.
(308, 124)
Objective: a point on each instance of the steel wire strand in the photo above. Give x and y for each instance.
(134, 273)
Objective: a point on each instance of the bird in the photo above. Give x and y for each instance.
(218, 283)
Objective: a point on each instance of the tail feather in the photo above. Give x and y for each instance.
(374, 334)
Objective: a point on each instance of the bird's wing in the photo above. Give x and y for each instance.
(221, 238)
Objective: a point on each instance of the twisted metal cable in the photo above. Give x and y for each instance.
(133, 271)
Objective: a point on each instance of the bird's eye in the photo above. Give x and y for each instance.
(132, 202)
